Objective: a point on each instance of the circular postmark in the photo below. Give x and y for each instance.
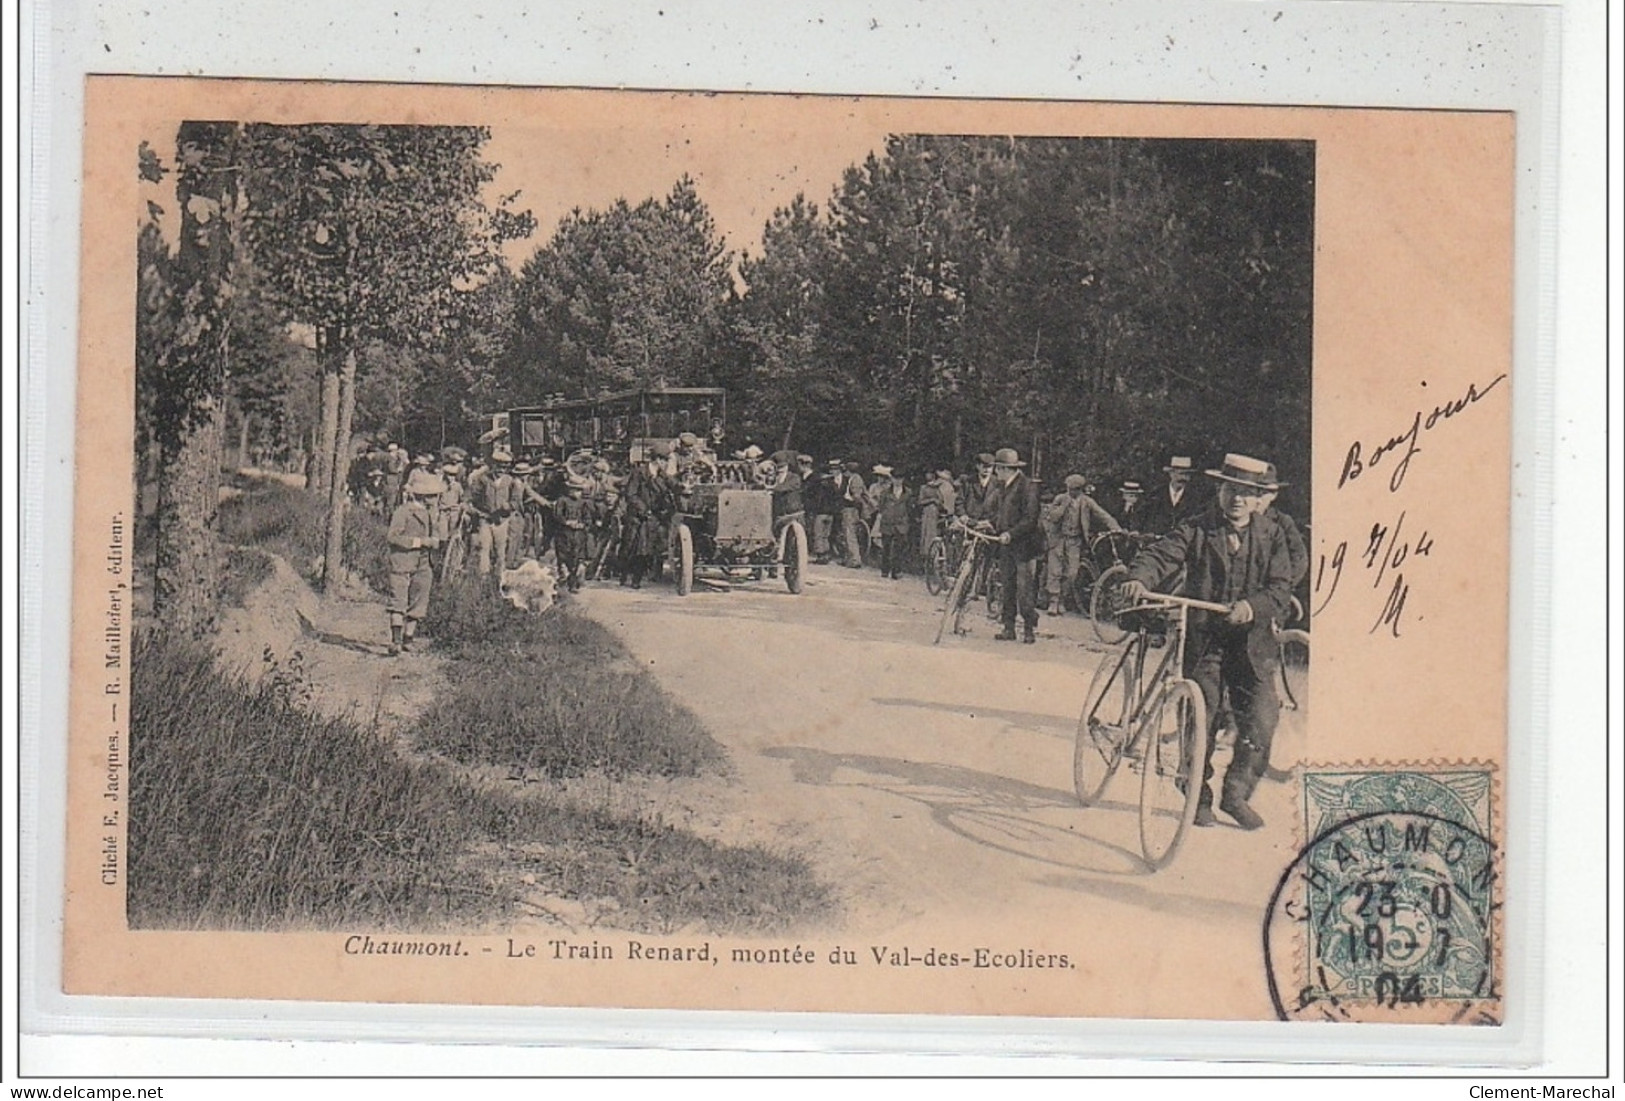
(1386, 915)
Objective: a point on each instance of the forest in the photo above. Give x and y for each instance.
(1098, 304)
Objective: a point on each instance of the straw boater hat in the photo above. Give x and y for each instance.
(749, 454)
(576, 482)
(1006, 456)
(834, 464)
(881, 469)
(500, 456)
(422, 483)
(523, 468)
(688, 439)
(1244, 470)
(1179, 464)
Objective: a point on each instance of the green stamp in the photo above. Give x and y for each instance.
(1392, 902)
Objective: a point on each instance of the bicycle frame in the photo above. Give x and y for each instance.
(1164, 759)
(973, 568)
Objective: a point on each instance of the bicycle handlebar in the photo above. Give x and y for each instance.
(1163, 601)
(973, 533)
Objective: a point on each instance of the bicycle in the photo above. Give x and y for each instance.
(1156, 720)
(973, 571)
(1110, 553)
(943, 558)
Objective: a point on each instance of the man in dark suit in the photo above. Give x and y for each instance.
(1012, 509)
(1176, 502)
(1236, 554)
(974, 489)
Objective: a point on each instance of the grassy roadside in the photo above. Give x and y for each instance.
(287, 521)
(552, 694)
(250, 811)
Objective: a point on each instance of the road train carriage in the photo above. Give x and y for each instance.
(723, 533)
(621, 427)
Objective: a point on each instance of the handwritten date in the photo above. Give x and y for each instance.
(1386, 551)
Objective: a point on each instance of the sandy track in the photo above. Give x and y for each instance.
(932, 783)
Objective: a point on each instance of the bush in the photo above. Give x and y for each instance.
(292, 523)
(246, 568)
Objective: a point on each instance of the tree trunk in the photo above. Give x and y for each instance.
(321, 465)
(242, 437)
(188, 568)
(333, 558)
(190, 404)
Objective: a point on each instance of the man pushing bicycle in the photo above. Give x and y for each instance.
(1233, 554)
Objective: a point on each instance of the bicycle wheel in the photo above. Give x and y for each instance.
(994, 588)
(1103, 728)
(1103, 603)
(1171, 781)
(958, 597)
(936, 567)
(1083, 585)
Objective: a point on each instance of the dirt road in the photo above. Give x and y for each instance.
(933, 783)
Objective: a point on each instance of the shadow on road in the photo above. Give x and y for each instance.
(1146, 897)
(1022, 720)
(1008, 815)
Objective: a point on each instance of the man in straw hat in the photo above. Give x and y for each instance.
(888, 500)
(823, 502)
(1013, 510)
(412, 536)
(1233, 553)
(937, 499)
(1164, 510)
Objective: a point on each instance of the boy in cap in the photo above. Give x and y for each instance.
(1233, 553)
(850, 502)
(412, 536)
(573, 515)
(1068, 523)
(493, 496)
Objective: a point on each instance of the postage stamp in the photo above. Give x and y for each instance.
(1392, 905)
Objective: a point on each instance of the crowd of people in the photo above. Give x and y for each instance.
(453, 512)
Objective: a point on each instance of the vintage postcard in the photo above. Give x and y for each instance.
(550, 547)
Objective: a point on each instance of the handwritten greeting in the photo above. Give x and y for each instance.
(1361, 459)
